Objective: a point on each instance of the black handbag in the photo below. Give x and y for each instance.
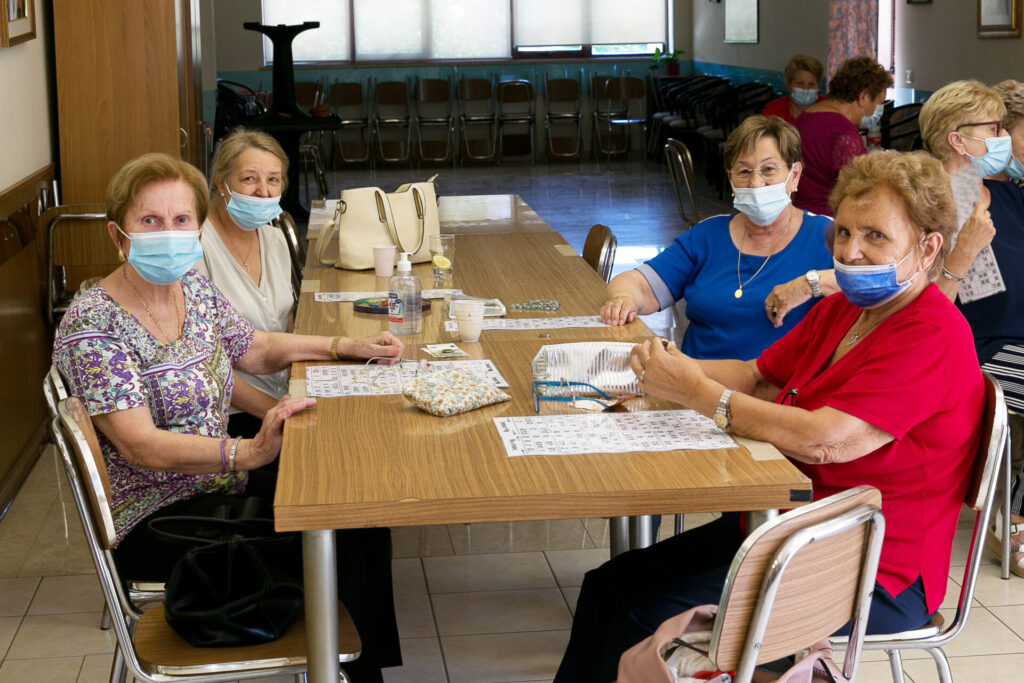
(237, 582)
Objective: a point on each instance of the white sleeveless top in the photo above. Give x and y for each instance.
(267, 306)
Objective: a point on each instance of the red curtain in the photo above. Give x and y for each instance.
(852, 31)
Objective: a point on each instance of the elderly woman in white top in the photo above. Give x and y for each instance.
(247, 258)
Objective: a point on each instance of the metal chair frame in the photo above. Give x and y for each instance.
(90, 493)
(296, 248)
(477, 109)
(599, 250)
(981, 494)
(517, 92)
(431, 94)
(348, 101)
(58, 299)
(623, 98)
(391, 110)
(680, 169)
(559, 92)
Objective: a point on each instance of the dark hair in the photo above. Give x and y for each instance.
(857, 75)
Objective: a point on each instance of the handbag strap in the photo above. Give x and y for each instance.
(326, 232)
(186, 529)
(396, 237)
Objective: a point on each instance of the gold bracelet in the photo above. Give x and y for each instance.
(334, 348)
(232, 453)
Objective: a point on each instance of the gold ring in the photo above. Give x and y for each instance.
(643, 373)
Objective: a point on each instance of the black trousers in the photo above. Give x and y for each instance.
(364, 572)
(624, 600)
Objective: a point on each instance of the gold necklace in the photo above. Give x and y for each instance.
(177, 311)
(245, 259)
(857, 336)
(740, 284)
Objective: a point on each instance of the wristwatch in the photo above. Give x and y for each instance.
(813, 280)
(722, 412)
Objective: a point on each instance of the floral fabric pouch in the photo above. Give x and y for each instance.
(452, 391)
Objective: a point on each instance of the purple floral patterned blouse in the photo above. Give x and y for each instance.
(111, 362)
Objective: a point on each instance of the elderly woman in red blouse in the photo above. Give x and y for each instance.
(877, 385)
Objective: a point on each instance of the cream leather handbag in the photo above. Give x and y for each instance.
(367, 216)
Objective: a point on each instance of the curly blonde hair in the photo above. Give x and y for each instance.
(236, 142)
(802, 61)
(743, 138)
(918, 180)
(150, 168)
(952, 105)
(1012, 94)
(856, 75)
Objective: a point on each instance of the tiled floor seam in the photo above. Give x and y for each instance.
(433, 614)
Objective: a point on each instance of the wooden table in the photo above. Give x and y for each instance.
(377, 461)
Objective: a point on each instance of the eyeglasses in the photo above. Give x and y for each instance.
(997, 124)
(769, 174)
(573, 396)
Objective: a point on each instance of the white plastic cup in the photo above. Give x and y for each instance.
(469, 317)
(384, 260)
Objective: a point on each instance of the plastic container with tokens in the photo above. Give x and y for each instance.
(605, 365)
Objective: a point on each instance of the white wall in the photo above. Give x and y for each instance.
(25, 119)
(238, 49)
(939, 43)
(784, 28)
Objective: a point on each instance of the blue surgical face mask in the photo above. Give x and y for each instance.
(162, 257)
(867, 122)
(998, 152)
(804, 97)
(872, 286)
(250, 212)
(1014, 169)
(762, 205)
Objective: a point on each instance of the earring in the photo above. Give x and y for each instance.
(120, 256)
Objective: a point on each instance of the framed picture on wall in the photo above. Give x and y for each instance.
(999, 18)
(17, 22)
(741, 21)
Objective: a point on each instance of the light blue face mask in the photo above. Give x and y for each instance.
(998, 152)
(762, 205)
(162, 257)
(1014, 169)
(250, 212)
(872, 286)
(868, 122)
(804, 97)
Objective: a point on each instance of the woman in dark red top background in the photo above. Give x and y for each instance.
(803, 76)
(828, 129)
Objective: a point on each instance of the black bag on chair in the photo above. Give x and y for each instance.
(237, 581)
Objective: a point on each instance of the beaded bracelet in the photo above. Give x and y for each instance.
(231, 454)
(223, 462)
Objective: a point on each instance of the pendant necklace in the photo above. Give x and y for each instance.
(245, 259)
(740, 284)
(174, 298)
(857, 336)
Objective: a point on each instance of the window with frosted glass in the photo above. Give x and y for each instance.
(624, 27)
(329, 43)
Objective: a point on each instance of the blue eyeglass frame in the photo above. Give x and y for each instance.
(538, 397)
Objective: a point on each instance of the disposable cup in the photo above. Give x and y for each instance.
(469, 317)
(384, 260)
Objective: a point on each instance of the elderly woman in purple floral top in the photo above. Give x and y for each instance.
(150, 350)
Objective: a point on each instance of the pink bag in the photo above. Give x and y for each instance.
(661, 659)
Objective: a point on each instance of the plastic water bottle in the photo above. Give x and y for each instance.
(405, 299)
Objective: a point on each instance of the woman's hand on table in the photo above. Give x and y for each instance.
(266, 445)
(785, 297)
(383, 345)
(619, 310)
(666, 372)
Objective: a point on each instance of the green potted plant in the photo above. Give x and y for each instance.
(669, 59)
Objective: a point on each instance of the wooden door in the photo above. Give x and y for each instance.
(119, 87)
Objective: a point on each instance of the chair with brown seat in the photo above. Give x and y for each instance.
(78, 248)
(391, 113)
(680, 169)
(563, 109)
(599, 250)
(477, 110)
(794, 581)
(516, 102)
(435, 111)
(296, 247)
(621, 107)
(981, 494)
(899, 127)
(147, 647)
(352, 139)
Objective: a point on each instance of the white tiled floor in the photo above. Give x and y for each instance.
(476, 603)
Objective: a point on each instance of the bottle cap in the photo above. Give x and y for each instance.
(403, 263)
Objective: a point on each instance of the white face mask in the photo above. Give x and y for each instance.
(762, 205)
(874, 119)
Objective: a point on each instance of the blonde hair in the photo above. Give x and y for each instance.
(952, 105)
(918, 180)
(154, 167)
(802, 61)
(238, 141)
(1012, 94)
(743, 138)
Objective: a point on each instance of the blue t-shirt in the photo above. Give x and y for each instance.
(700, 266)
(998, 320)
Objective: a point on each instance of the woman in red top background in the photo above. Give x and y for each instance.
(803, 75)
(828, 129)
(877, 385)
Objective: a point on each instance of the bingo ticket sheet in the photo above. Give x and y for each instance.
(656, 430)
(534, 323)
(330, 381)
